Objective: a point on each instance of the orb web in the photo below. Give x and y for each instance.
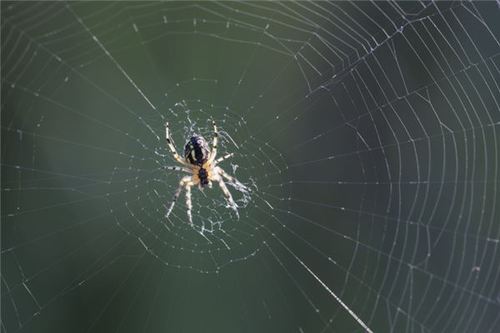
(367, 133)
(141, 188)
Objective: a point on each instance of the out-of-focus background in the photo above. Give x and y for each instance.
(367, 133)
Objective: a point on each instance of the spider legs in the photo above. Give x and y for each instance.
(225, 157)
(187, 183)
(232, 180)
(227, 194)
(177, 168)
(189, 203)
(171, 145)
(213, 153)
(212, 173)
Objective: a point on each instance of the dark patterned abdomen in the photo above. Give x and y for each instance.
(196, 150)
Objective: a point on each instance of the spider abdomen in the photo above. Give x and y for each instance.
(196, 151)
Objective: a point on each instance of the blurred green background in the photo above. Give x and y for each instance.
(366, 132)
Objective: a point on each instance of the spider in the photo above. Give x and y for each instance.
(200, 162)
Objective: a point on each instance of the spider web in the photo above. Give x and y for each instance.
(366, 132)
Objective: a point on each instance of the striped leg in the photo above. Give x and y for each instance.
(171, 146)
(189, 203)
(227, 194)
(177, 168)
(225, 157)
(183, 183)
(239, 186)
(213, 153)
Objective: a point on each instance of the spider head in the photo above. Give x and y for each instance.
(196, 151)
(203, 177)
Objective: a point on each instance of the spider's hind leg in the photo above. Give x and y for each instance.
(225, 157)
(213, 152)
(171, 146)
(177, 168)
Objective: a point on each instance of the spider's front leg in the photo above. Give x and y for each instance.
(171, 146)
(235, 182)
(186, 182)
(189, 203)
(227, 194)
